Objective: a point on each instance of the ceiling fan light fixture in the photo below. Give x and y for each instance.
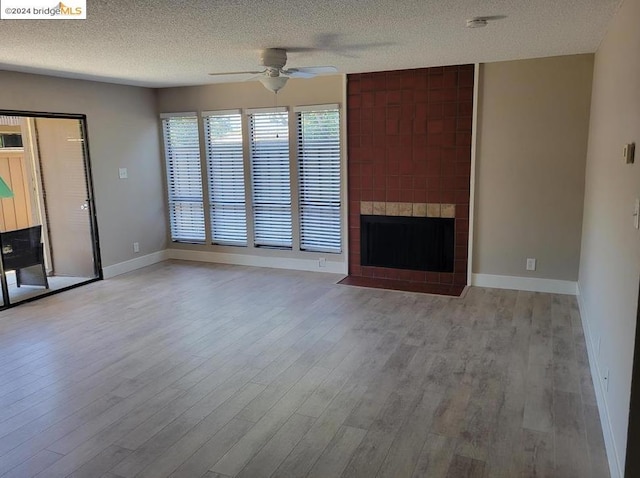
(477, 22)
(274, 83)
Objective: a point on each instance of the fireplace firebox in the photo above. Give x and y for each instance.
(413, 243)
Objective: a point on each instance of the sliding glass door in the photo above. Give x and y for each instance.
(47, 219)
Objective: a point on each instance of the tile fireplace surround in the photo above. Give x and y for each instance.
(409, 154)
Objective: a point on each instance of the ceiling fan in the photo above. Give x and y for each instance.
(274, 75)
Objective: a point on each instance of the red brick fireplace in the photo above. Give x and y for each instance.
(409, 154)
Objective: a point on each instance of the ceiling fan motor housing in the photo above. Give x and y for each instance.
(273, 58)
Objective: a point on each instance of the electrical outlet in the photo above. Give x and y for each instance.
(136, 247)
(531, 264)
(322, 262)
(605, 379)
(122, 173)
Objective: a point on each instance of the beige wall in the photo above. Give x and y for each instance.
(610, 260)
(123, 132)
(251, 94)
(532, 139)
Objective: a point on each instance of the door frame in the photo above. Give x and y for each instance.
(93, 220)
(632, 459)
(38, 206)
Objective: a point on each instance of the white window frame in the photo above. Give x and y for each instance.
(271, 195)
(191, 230)
(319, 214)
(226, 184)
(295, 248)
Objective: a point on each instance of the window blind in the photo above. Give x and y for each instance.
(223, 136)
(184, 178)
(270, 178)
(319, 180)
(11, 120)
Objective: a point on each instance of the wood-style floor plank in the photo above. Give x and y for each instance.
(190, 370)
(336, 455)
(267, 460)
(435, 457)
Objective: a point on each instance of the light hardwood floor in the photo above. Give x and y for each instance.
(201, 370)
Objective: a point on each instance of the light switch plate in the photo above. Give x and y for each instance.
(122, 173)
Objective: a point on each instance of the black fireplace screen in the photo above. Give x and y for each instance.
(415, 243)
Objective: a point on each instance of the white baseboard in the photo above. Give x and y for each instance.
(257, 261)
(532, 284)
(133, 264)
(615, 468)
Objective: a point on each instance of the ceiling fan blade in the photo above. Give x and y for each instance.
(254, 77)
(317, 70)
(295, 73)
(238, 73)
(309, 71)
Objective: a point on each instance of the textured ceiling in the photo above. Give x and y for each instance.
(169, 43)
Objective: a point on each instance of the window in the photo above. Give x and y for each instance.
(319, 179)
(248, 167)
(10, 140)
(270, 178)
(184, 178)
(223, 138)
